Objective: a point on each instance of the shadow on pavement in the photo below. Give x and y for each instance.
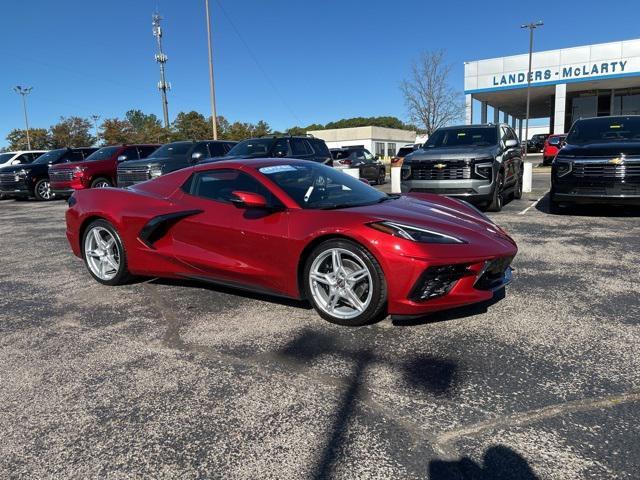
(577, 210)
(429, 373)
(498, 463)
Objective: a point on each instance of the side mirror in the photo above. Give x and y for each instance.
(280, 154)
(511, 143)
(122, 158)
(196, 156)
(248, 200)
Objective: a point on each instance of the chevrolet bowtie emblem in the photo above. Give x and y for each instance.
(439, 166)
(617, 160)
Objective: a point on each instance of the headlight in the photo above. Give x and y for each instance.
(405, 171)
(563, 168)
(22, 173)
(79, 171)
(155, 172)
(484, 170)
(415, 234)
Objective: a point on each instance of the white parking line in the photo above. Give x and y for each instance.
(532, 205)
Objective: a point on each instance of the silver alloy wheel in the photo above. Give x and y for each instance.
(341, 283)
(101, 253)
(44, 190)
(102, 184)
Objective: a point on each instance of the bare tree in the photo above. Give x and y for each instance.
(430, 100)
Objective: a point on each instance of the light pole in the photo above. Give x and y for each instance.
(212, 89)
(24, 91)
(95, 119)
(531, 27)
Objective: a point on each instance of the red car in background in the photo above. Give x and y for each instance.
(98, 170)
(296, 229)
(552, 146)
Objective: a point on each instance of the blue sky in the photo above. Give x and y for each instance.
(317, 61)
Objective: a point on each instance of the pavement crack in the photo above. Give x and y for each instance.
(444, 441)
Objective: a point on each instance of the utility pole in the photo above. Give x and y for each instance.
(161, 58)
(95, 119)
(531, 26)
(24, 91)
(212, 90)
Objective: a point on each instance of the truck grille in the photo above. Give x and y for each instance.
(131, 176)
(8, 181)
(605, 170)
(65, 175)
(459, 170)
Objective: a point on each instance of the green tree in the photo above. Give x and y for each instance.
(71, 132)
(40, 139)
(116, 131)
(147, 127)
(191, 126)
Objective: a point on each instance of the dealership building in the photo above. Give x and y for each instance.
(566, 84)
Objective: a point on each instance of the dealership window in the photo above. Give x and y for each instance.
(626, 102)
(379, 146)
(391, 149)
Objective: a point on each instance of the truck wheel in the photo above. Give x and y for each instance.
(497, 199)
(517, 192)
(42, 190)
(101, 183)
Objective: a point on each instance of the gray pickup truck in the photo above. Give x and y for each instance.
(481, 164)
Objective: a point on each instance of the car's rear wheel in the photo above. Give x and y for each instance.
(345, 283)
(104, 254)
(497, 200)
(100, 183)
(382, 177)
(42, 190)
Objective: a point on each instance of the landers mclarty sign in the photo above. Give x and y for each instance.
(564, 73)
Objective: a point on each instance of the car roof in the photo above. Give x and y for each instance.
(17, 152)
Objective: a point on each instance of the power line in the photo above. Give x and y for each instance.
(255, 59)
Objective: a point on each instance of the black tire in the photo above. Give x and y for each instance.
(382, 177)
(40, 190)
(122, 276)
(101, 180)
(497, 196)
(517, 190)
(376, 310)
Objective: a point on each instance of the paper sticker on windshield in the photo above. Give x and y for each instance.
(615, 126)
(277, 169)
(462, 134)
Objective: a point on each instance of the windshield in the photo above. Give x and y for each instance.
(317, 186)
(605, 129)
(103, 154)
(252, 147)
(50, 156)
(176, 149)
(5, 157)
(463, 137)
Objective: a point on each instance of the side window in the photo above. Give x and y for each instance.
(281, 148)
(74, 156)
(367, 155)
(131, 153)
(320, 148)
(299, 147)
(360, 155)
(227, 147)
(146, 150)
(219, 185)
(24, 158)
(201, 148)
(216, 149)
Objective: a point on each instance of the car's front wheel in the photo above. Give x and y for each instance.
(104, 254)
(345, 283)
(42, 190)
(101, 183)
(497, 200)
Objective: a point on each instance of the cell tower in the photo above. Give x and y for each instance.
(161, 58)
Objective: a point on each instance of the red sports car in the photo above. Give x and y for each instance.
(296, 229)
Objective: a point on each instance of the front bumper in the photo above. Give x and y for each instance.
(16, 189)
(474, 190)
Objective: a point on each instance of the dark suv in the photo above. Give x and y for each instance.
(303, 148)
(370, 167)
(169, 158)
(536, 143)
(32, 179)
(600, 163)
(479, 163)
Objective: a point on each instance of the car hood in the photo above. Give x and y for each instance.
(232, 157)
(441, 214)
(453, 153)
(604, 149)
(147, 162)
(24, 166)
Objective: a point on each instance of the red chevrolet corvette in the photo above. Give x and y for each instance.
(295, 229)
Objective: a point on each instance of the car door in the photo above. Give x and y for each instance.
(509, 156)
(228, 244)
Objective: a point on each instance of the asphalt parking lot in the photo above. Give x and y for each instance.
(162, 379)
